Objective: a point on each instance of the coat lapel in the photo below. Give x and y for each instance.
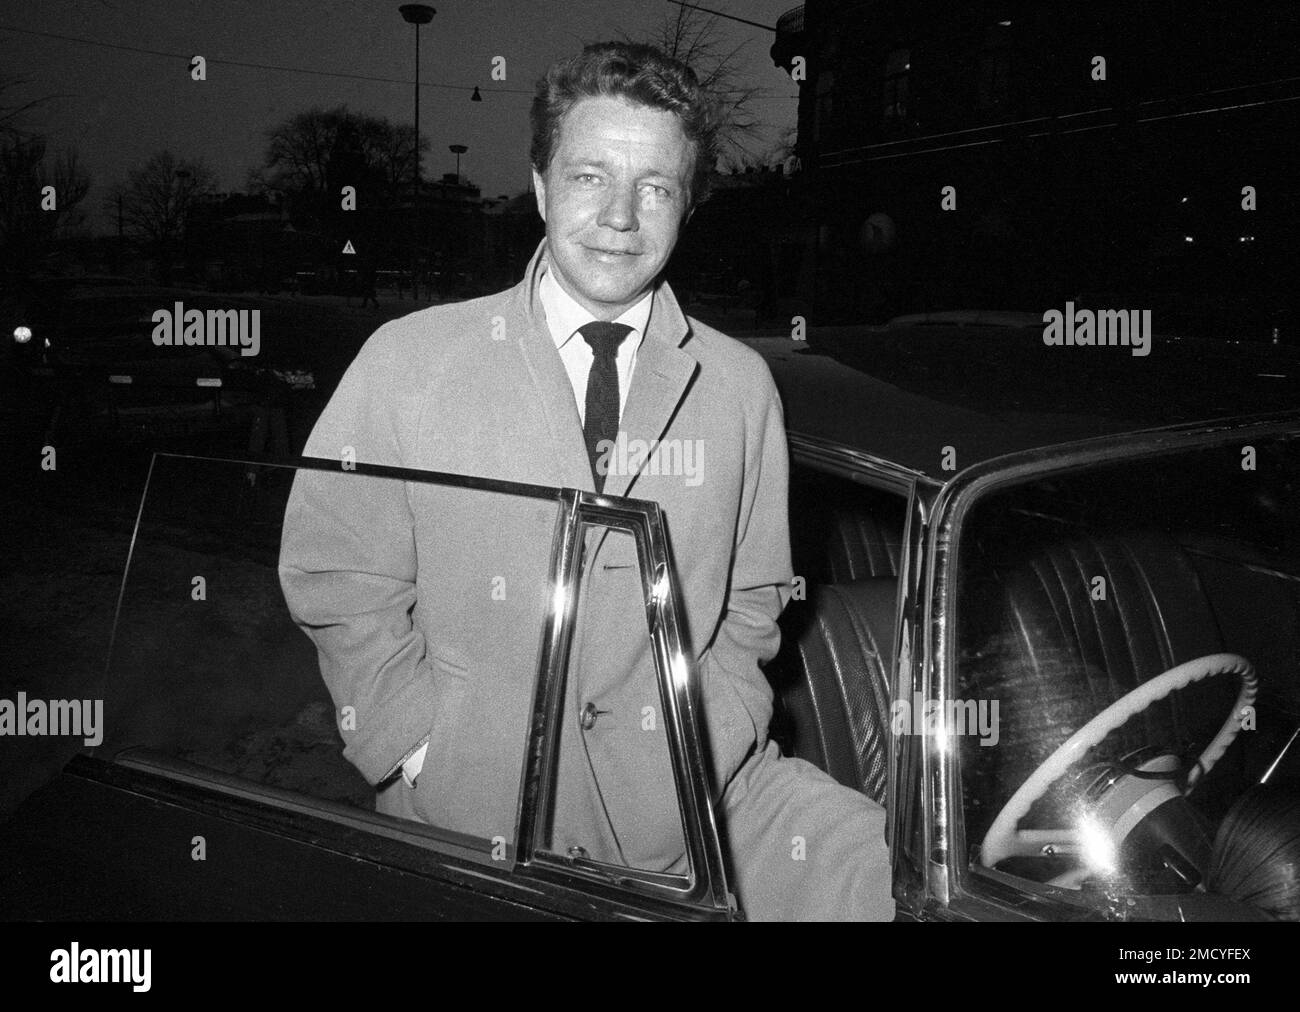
(551, 383)
(663, 372)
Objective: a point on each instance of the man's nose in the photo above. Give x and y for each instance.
(619, 212)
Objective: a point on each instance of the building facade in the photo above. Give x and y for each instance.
(1012, 155)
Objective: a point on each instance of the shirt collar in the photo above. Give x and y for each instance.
(564, 314)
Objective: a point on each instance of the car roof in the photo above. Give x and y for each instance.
(905, 393)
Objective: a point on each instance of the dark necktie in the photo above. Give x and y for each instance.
(600, 422)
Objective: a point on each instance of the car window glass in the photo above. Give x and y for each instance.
(616, 799)
(208, 666)
(1077, 593)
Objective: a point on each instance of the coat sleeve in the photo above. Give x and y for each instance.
(348, 567)
(737, 696)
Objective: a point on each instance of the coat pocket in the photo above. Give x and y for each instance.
(436, 783)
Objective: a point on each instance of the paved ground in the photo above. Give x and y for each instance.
(228, 682)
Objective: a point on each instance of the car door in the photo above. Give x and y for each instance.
(217, 788)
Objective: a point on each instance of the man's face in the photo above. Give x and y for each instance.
(613, 198)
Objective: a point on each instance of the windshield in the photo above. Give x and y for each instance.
(1078, 592)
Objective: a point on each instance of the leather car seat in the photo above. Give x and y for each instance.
(833, 701)
(865, 544)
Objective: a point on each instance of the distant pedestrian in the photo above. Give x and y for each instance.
(369, 272)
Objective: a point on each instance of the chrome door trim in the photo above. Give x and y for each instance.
(842, 459)
(643, 519)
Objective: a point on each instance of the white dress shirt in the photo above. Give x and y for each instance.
(564, 315)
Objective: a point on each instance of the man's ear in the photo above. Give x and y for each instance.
(539, 190)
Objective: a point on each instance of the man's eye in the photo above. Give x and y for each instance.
(660, 192)
(587, 178)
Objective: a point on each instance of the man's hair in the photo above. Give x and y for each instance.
(640, 74)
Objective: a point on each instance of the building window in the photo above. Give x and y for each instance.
(825, 104)
(896, 89)
(995, 68)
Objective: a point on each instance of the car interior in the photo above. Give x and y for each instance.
(1077, 591)
(831, 677)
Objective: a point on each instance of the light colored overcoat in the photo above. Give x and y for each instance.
(426, 604)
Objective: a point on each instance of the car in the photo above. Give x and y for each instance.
(81, 359)
(1056, 637)
(30, 307)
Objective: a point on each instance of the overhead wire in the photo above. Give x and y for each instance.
(483, 89)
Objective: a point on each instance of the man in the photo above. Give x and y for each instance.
(542, 384)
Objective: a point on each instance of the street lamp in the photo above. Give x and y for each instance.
(457, 150)
(416, 14)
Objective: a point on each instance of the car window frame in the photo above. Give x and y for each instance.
(678, 693)
(705, 895)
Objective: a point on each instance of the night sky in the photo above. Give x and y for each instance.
(118, 107)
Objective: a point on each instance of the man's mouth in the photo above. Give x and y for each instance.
(603, 252)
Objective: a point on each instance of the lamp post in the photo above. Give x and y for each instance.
(457, 150)
(417, 15)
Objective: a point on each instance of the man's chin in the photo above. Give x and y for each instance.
(615, 292)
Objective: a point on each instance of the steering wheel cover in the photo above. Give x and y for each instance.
(999, 841)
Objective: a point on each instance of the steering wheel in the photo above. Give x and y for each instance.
(1004, 840)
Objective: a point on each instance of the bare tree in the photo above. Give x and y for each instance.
(311, 153)
(28, 224)
(778, 153)
(155, 203)
(13, 110)
(31, 217)
(695, 37)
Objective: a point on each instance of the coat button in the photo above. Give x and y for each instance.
(587, 719)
